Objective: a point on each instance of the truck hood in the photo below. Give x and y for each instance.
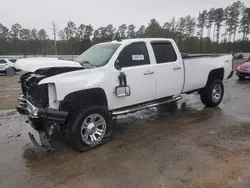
(33, 64)
(77, 80)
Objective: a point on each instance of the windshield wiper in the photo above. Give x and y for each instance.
(84, 63)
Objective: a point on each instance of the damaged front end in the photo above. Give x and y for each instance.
(34, 103)
(42, 119)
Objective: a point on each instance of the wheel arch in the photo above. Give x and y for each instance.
(215, 74)
(76, 100)
(13, 68)
(10, 67)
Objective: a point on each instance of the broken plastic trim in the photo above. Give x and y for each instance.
(44, 140)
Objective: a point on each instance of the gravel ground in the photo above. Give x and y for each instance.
(181, 145)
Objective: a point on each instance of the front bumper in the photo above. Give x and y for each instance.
(27, 108)
(242, 73)
(41, 119)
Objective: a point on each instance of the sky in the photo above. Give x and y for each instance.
(40, 14)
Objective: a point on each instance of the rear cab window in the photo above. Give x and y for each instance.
(164, 52)
(135, 54)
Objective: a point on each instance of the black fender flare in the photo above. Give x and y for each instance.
(215, 74)
(74, 101)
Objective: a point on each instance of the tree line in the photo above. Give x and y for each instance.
(217, 30)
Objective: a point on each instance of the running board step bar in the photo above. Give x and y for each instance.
(145, 106)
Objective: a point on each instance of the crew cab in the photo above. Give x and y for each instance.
(112, 79)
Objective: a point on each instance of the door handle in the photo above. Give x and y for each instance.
(148, 72)
(177, 68)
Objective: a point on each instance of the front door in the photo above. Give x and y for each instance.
(135, 64)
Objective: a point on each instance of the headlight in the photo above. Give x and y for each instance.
(52, 92)
(53, 103)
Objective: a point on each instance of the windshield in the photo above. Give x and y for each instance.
(98, 55)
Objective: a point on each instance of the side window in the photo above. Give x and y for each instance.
(135, 54)
(13, 60)
(164, 52)
(2, 61)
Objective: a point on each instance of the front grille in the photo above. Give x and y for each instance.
(244, 69)
(24, 82)
(242, 74)
(38, 95)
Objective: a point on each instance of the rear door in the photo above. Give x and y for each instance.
(2, 64)
(134, 62)
(169, 69)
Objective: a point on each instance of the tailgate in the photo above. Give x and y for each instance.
(228, 65)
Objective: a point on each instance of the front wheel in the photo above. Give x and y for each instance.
(213, 93)
(89, 128)
(10, 71)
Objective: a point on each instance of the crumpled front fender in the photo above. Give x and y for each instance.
(74, 81)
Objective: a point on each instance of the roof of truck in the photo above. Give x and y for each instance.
(141, 39)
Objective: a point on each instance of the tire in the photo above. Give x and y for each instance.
(242, 77)
(81, 127)
(10, 71)
(209, 97)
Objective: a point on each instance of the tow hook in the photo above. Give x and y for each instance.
(44, 140)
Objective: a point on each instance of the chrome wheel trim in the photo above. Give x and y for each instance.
(93, 129)
(216, 93)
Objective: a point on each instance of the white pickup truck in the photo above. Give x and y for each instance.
(111, 79)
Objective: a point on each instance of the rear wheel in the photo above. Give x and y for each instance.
(10, 71)
(213, 93)
(242, 77)
(89, 128)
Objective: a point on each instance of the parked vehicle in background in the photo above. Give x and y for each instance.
(244, 56)
(7, 67)
(243, 70)
(112, 79)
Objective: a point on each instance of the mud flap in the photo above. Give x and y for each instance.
(44, 140)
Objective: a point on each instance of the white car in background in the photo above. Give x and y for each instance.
(7, 67)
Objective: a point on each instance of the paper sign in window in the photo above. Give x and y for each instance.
(137, 57)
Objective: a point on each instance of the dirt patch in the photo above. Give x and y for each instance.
(9, 91)
(8, 99)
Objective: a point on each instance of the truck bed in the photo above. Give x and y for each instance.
(189, 56)
(198, 67)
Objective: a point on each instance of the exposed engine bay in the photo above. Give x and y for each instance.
(38, 94)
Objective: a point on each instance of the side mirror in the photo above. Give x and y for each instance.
(122, 91)
(117, 65)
